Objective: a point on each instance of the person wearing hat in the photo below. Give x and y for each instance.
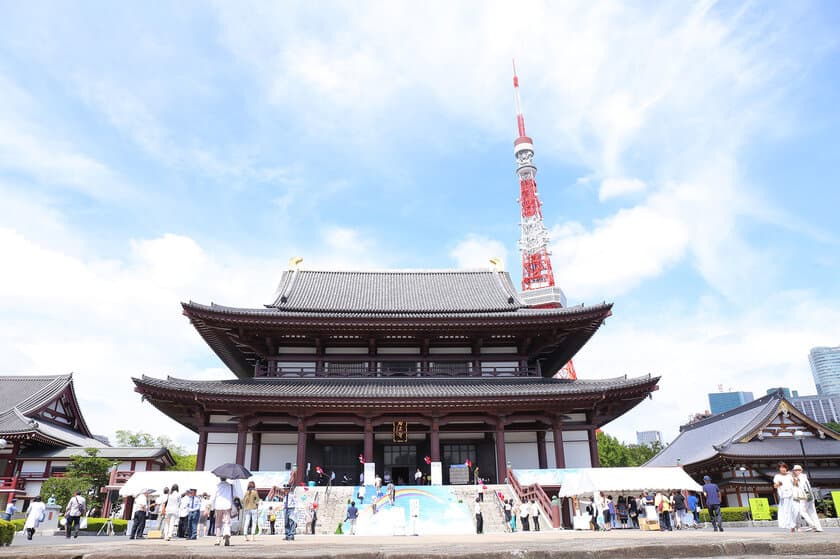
(712, 493)
(803, 499)
(783, 483)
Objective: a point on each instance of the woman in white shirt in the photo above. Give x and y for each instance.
(783, 482)
(173, 507)
(34, 517)
(803, 499)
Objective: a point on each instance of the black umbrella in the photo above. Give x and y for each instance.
(232, 471)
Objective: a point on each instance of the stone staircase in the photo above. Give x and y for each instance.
(494, 516)
(332, 507)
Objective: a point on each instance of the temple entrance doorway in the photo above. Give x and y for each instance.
(400, 461)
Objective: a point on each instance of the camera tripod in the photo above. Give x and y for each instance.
(108, 527)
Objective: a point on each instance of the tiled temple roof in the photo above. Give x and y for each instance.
(391, 388)
(29, 392)
(436, 291)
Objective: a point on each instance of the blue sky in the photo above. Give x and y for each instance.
(687, 166)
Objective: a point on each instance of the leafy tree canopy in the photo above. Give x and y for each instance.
(183, 460)
(833, 425)
(614, 453)
(63, 488)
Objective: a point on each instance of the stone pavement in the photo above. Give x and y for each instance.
(628, 544)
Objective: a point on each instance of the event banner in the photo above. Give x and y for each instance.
(835, 496)
(760, 509)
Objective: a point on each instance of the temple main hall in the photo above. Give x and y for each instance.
(399, 369)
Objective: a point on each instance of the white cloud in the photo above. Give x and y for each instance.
(613, 187)
(697, 348)
(110, 319)
(476, 251)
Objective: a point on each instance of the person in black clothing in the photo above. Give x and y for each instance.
(633, 508)
(679, 508)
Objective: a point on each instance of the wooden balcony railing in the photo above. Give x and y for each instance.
(119, 477)
(279, 369)
(9, 484)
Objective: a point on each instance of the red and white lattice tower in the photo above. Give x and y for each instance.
(533, 241)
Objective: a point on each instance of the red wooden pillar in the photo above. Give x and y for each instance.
(542, 459)
(201, 454)
(256, 443)
(501, 458)
(593, 448)
(301, 450)
(559, 453)
(368, 441)
(434, 440)
(241, 440)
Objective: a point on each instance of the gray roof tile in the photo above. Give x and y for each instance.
(377, 388)
(396, 292)
(29, 392)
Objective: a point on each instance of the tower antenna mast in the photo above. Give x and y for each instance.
(533, 240)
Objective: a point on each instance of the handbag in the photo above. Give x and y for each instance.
(83, 523)
(42, 516)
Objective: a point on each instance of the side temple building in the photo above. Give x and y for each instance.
(393, 367)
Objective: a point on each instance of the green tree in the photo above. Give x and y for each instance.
(63, 488)
(833, 425)
(183, 460)
(613, 453)
(92, 469)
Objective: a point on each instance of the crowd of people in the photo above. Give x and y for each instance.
(188, 515)
(672, 510)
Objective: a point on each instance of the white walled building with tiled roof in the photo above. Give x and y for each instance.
(43, 426)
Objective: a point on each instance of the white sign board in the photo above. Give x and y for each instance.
(437, 473)
(370, 472)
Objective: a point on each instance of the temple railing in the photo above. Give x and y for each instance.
(535, 492)
(9, 484)
(278, 369)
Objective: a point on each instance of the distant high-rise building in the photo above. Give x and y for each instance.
(784, 390)
(720, 402)
(648, 437)
(819, 408)
(825, 366)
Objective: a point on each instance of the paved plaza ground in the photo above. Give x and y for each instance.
(741, 543)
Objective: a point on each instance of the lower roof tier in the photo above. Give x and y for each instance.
(188, 401)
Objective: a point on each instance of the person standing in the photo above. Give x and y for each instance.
(514, 514)
(633, 511)
(663, 506)
(272, 518)
(222, 503)
(34, 516)
(692, 511)
(141, 506)
(171, 508)
(535, 515)
(313, 517)
(352, 515)
(803, 499)
(250, 510)
(418, 477)
(193, 514)
(11, 509)
(524, 513)
(507, 508)
(290, 508)
(392, 493)
(479, 518)
(73, 513)
(204, 519)
(783, 483)
(712, 493)
(679, 509)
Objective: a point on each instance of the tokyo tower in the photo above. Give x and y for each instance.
(533, 241)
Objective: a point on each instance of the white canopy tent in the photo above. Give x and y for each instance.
(626, 480)
(203, 482)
